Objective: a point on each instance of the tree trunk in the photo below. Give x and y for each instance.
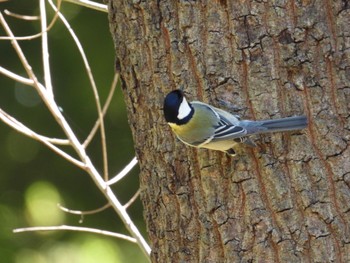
(287, 200)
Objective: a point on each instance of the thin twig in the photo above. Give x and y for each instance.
(12, 122)
(45, 49)
(94, 89)
(123, 172)
(104, 110)
(88, 212)
(49, 101)
(31, 37)
(17, 48)
(17, 125)
(75, 228)
(16, 77)
(23, 17)
(90, 4)
(132, 200)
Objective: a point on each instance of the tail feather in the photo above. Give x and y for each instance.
(277, 125)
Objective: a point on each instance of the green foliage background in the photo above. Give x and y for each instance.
(33, 178)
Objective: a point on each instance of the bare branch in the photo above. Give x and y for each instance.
(128, 222)
(90, 4)
(123, 172)
(75, 228)
(16, 77)
(49, 101)
(104, 110)
(85, 162)
(23, 17)
(18, 49)
(45, 49)
(31, 37)
(132, 200)
(88, 212)
(12, 122)
(27, 18)
(94, 88)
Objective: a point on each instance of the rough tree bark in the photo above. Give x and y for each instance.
(287, 200)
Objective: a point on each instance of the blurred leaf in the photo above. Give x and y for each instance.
(41, 205)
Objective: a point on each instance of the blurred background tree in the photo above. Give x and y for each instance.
(33, 179)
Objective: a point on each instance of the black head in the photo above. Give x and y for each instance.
(172, 103)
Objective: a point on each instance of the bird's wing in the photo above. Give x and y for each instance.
(227, 130)
(227, 125)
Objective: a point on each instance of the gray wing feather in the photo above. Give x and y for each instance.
(227, 128)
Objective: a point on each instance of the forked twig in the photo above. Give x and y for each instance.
(104, 110)
(48, 100)
(123, 172)
(94, 89)
(49, 142)
(53, 21)
(75, 228)
(16, 77)
(15, 124)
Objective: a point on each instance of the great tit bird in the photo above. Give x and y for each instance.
(200, 125)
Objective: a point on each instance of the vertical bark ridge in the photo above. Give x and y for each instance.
(333, 89)
(291, 7)
(264, 195)
(330, 175)
(245, 84)
(331, 24)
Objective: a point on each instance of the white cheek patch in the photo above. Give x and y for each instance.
(184, 110)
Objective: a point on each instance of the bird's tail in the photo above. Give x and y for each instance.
(278, 125)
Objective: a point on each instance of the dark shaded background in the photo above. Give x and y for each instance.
(33, 179)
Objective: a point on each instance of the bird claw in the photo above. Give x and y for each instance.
(231, 152)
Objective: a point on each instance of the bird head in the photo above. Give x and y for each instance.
(176, 108)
